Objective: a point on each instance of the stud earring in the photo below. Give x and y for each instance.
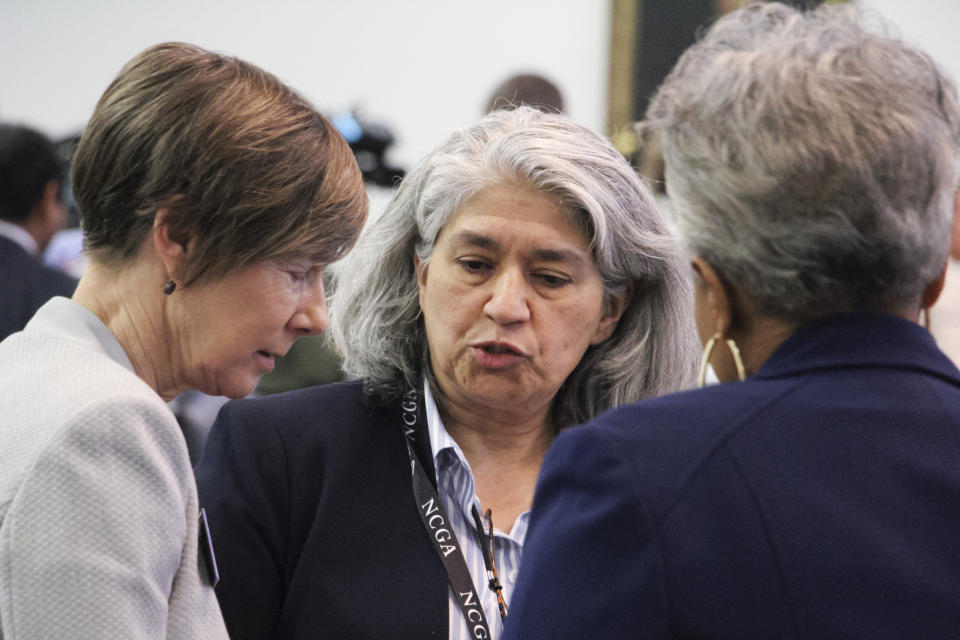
(169, 287)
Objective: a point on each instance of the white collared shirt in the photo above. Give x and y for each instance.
(19, 235)
(458, 494)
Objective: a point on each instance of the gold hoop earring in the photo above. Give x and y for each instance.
(925, 317)
(708, 351)
(737, 360)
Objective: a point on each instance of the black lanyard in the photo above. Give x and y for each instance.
(438, 526)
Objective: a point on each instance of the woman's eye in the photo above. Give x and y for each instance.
(552, 281)
(473, 266)
(301, 271)
(305, 275)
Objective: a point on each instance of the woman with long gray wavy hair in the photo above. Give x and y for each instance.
(812, 163)
(521, 281)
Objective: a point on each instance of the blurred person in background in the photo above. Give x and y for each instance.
(65, 251)
(31, 212)
(212, 198)
(520, 282)
(812, 160)
(530, 89)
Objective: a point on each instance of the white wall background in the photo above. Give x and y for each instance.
(421, 67)
(933, 25)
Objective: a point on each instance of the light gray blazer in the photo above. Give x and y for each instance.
(98, 506)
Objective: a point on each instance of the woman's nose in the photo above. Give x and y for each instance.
(509, 298)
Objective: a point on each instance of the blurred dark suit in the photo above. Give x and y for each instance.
(25, 284)
(32, 210)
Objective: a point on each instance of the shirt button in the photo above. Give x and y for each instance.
(512, 577)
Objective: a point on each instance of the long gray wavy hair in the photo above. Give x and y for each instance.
(376, 320)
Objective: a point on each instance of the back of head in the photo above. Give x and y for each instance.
(28, 162)
(249, 169)
(530, 89)
(812, 159)
(375, 315)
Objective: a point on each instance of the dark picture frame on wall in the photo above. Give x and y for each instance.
(647, 38)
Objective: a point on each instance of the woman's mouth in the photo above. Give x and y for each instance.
(267, 360)
(497, 355)
(498, 348)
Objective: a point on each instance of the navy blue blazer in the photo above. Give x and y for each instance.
(25, 284)
(818, 499)
(315, 527)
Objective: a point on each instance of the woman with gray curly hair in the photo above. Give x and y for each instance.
(812, 161)
(520, 281)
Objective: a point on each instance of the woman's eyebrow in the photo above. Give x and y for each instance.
(467, 238)
(473, 239)
(571, 256)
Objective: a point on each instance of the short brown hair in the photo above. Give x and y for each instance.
(250, 170)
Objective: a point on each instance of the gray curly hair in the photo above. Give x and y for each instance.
(811, 159)
(376, 321)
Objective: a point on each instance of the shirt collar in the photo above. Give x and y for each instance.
(19, 235)
(440, 440)
(447, 452)
(858, 340)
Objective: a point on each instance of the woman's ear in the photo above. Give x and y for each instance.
(931, 293)
(420, 268)
(955, 236)
(714, 302)
(170, 249)
(613, 308)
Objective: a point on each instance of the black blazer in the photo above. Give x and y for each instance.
(316, 530)
(818, 499)
(25, 284)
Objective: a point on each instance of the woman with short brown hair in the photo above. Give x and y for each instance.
(212, 197)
